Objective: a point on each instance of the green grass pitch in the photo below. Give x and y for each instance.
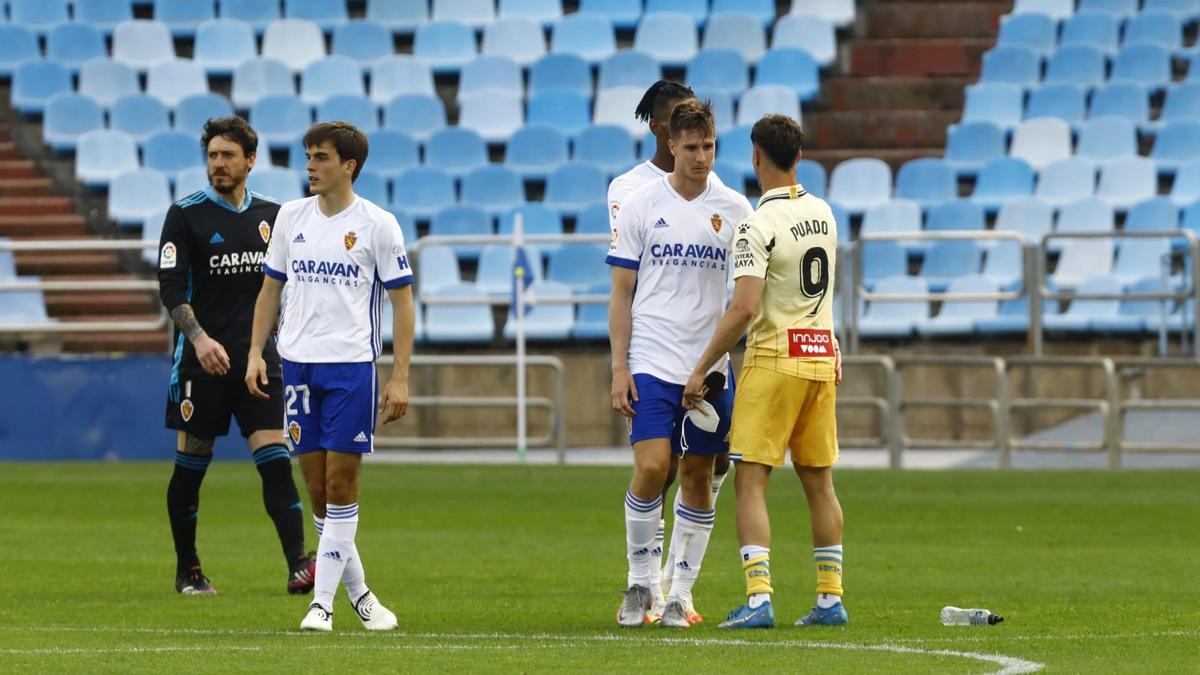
(518, 569)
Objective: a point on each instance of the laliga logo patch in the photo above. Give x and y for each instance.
(166, 259)
(294, 431)
(716, 222)
(264, 231)
(349, 240)
(186, 409)
(614, 209)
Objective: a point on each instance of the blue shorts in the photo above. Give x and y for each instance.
(659, 413)
(330, 406)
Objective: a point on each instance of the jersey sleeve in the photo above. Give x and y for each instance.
(275, 265)
(625, 247)
(174, 259)
(752, 246)
(617, 191)
(391, 260)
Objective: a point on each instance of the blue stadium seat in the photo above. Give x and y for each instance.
(519, 39)
(459, 324)
(734, 148)
(70, 44)
(1081, 259)
(355, 109)
(418, 115)
(473, 13)
(927, 181)
(408, 227)
(280, 120)
(387, 321)
(696, 10)
(365, 41)
(897, 216)
(588, 36)
(1001, 103)
(296, 42)
(1138, 259)
(373, 187)
(331, 76)
(629, 68)
(152, 227)
(445, 45)
(67, 117)
(1055, 9)
(546, 321)
(256, 78)
(789, 67)
(37, 15)
(1182, 103)
(767, 99)
(193, 111)
(1186, 188)
(883, 319)
(958, 317)
(730, 174)
(1118, 9)
(182, 18)
(624, 14)
(838, 12)
(275, 182)
(670, 37)
(328, 14)
(1186, 10)
(257, 13)
(1177, 142)
(737, 31)
(423, 190)
(1067, 102)
(544, 12)
(806, 32)
(392, 152)
(1191, 217)
(608, 147)
(958, 214)
(462, 220)
(456, 151)
(1194, 68)
(1122, 99)
(1081, 313)
(1030, 31)
(580, 267)
(437, 269)
(571, 188)
(106, 81)
(1013, 317)
(1128, 181)
(567, 111)
(591, 322)
(189, 181)
(138, 115)
(170, 152)
(719, 69)
(860, 183)
(1159, 28)
(399, 74)
(972, 145)
(594, 219)
(1139, 316)
(1041, 141)
(133, 195)
(811, 175)
(104, 15)
(495, 273)
(536, 219)
(1157, 214)
(1016, 65)
(535, 150)
(1148, 64)
(174, 80)
(490, 75)
(763, 10)
(1106, 139)
(1029, 217)
(1003, 265)
(949, 259)
(721, 103)
(141, 44)
(102, 154)
(399, 17)
(560, 71)
(881, 260)
(494, 189)
(615, 106)
(222, 44)
(1080, 65)
(1003, 180)
(1085, 215)
(1066, 181)
(1098, 30)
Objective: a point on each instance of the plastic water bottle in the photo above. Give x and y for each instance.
(957, 616)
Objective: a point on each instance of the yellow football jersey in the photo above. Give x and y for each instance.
(791, 243)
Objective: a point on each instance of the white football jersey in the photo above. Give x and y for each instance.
(622, 186)
(680, 250)
(337, 271)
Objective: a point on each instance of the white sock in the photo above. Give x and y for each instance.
(668, 568)
(353, 576)
(689, 541)
(335, 547)
(827, 600)
(833, 554)
(320, 523)
(641, 522)
(656, 557)
(718, 481)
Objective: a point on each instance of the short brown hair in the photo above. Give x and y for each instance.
(693, 115)
(235, 129)
(349, 142)
(780, 137)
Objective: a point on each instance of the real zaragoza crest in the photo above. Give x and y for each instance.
(349, 240)
(716, 222)
(264, 230)
(294, 431)
(186, 408)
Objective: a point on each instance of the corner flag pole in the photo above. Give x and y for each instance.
(519, 283)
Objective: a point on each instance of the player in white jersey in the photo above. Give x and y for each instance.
(655, 110)
(671, 242)
(338, 254)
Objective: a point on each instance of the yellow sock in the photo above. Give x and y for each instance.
(757, 568)
(829, 569)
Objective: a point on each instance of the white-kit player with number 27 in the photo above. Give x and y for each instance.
(338, 254)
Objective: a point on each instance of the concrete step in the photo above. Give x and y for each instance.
(62, 304)
(144, 342)
(35, 205)
(895, 157)
(41, 226)
(18, 168)
(921, 57)
(932, 19)
(69, 263)
(25, 187)
(8, 150)
(878, 129)
(895, 93)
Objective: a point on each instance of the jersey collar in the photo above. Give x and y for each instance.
(212, 194)
(789, 192)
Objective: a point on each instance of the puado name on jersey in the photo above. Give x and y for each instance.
(326, 272)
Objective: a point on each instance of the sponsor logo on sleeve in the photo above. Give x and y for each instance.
(810, 342)
(167, 258)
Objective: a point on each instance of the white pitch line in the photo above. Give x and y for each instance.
(1009, 665)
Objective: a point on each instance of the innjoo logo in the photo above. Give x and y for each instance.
(809, 342)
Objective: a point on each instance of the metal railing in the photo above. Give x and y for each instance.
(1141, 364)
(1107, 407)
(886, 407)
(995, 405)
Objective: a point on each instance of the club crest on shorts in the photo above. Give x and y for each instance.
(716, 222)
(186, 408)
(294, 431)
(264, 231)
(349, 240)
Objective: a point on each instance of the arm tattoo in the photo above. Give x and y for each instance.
(185, 319)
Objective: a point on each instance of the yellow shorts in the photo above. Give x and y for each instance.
(773, 412)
